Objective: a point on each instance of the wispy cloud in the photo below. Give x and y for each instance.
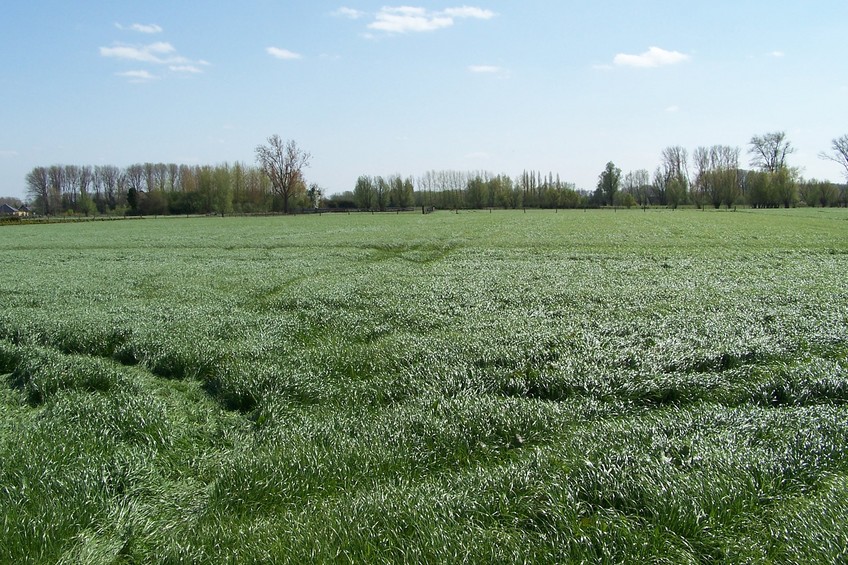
(283, 54)
(350, 13)
(484, 69)
(470, 12)
(159, 53)
(489, 70)
(190, 69)
(673, 109)
(141, 28)
(653, 57)
(777, 54)
(411, 19)
(138, 76)
(8, 153)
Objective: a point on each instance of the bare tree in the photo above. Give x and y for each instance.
(839, 152)
(174, 177)
(56, 174)
(638, 183)
(160, 176)
(109, 178)
(675, 169)
(769, 151)
(38, 188)
(675, 161)
(702, 182)
(135, 177)
(283, 162)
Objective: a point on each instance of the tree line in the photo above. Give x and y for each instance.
(712, 176)
(452, 189)
(149, 189)
(715, 177)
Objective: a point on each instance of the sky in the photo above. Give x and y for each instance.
(383, 88)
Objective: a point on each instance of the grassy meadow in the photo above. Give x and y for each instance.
(505, 387)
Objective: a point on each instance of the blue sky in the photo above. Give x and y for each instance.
(381, 88)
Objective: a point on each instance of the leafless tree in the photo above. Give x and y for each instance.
(283, 162)
(135, 177)
(839, 152)
(769, 151)
(38, 188)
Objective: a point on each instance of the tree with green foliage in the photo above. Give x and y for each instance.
(608, 183)
(785, 182)
(818, 193)
(758, 189)
(364, 193)
(717, 174)
(476, 192)
(315, 195)
(400, 192)
(769, 155)
(132, 200)
(222, 190)
(382, 190)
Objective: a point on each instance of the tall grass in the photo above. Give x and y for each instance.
(570, 387)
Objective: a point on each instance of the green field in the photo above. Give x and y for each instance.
(583, 386)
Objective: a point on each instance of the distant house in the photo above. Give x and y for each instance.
(8, 210)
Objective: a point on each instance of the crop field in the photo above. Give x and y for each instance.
(583, 386)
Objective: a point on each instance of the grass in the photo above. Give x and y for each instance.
(490, 387)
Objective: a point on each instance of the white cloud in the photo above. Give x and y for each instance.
(141, 28)
(470, 12)
(484, 69)
(158, 53)
(673, 109)
(283, 54)
(653, 57)
(146, 28)
(403, 19)
(137, 76)
(777, 54)
(192, 69)
(489, 70)
(350, 13)
(8, 153)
